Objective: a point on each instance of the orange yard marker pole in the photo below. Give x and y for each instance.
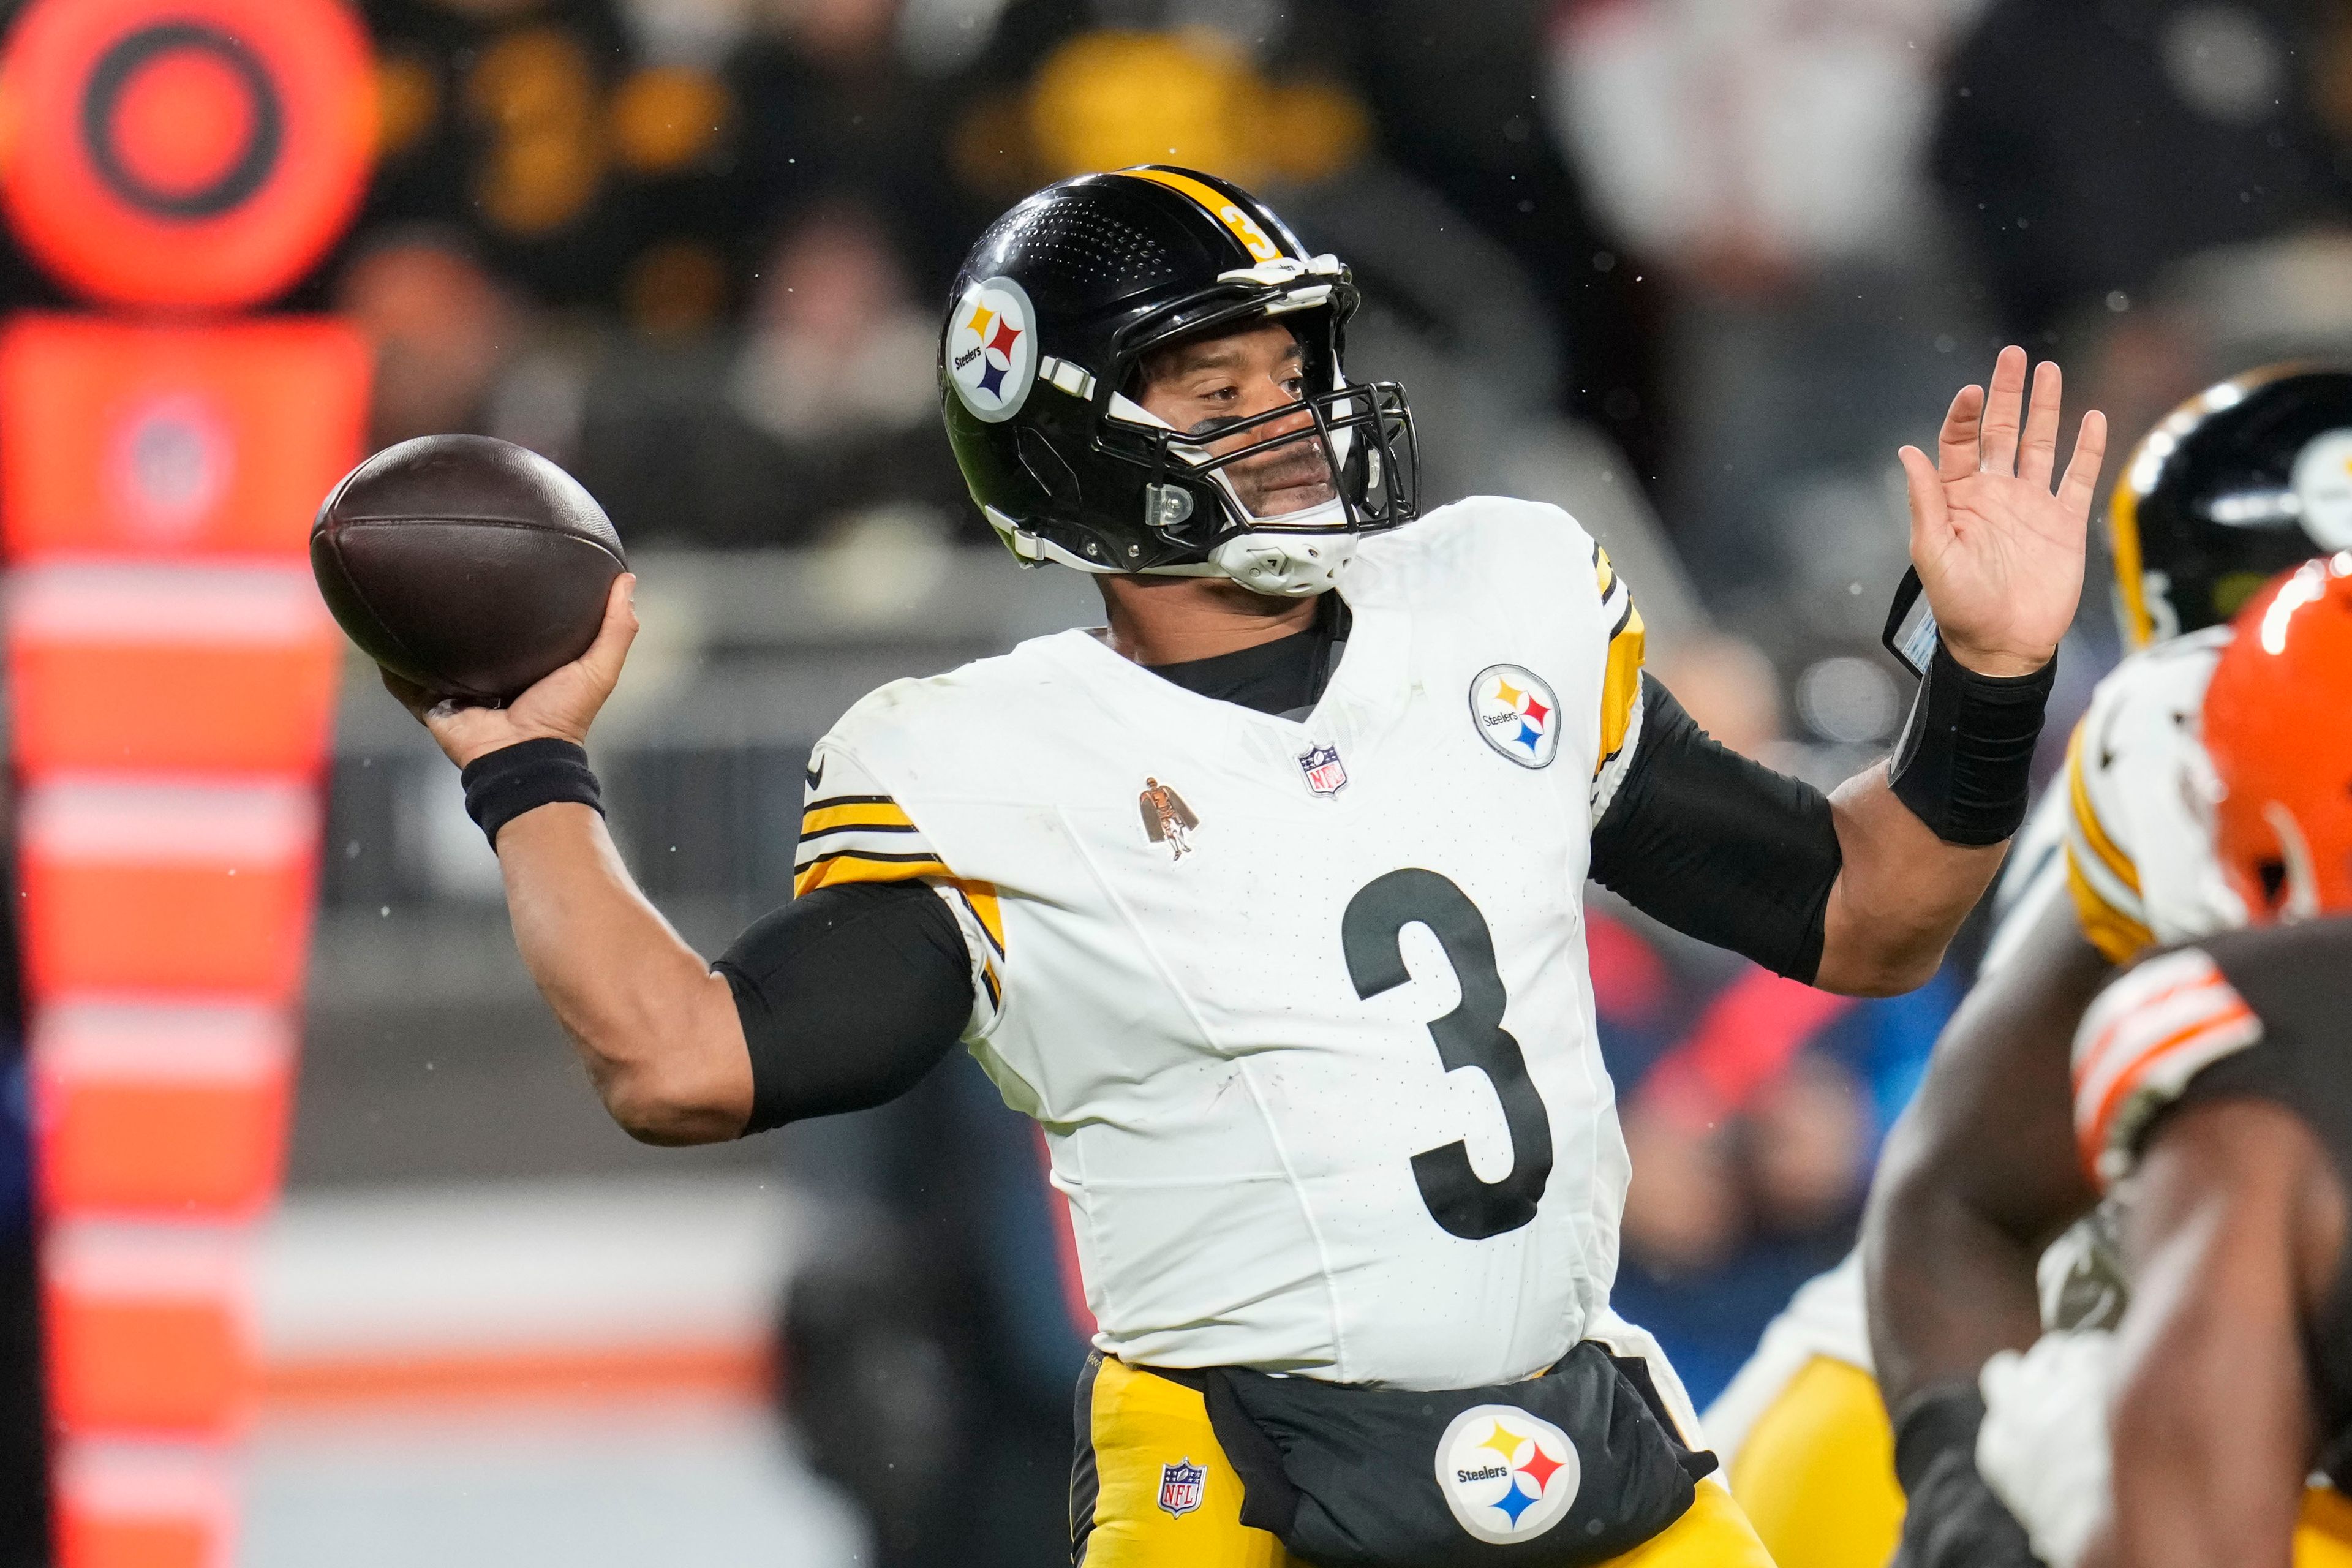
(171, 677)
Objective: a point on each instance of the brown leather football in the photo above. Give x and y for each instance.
(469, 565)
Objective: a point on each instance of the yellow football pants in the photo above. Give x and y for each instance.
(1817, 1479)
(1138, 1423)
(1817, 1472)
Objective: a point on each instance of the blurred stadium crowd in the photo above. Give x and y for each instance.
(1692, 268)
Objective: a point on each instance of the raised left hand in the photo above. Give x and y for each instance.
(2000, 554)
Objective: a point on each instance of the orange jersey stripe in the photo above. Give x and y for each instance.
(2093, 1060)
(2093, 1134)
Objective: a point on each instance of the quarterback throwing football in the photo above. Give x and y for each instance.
(1264, 898)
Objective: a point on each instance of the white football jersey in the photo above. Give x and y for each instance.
(2122, 833)
(2139, 839)
(1302, 1006)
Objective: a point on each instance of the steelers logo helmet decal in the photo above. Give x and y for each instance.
(2323, 488)
(1516, 714)
(992, 348)
(1507, 1476)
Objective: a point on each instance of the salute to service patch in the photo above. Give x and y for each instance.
(1166, 818)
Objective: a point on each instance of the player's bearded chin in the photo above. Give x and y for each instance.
(1291, 478)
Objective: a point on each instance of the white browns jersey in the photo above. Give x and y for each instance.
(1302, 1006)
(2120, 832)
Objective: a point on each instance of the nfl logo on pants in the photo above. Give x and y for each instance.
(1180, 1487)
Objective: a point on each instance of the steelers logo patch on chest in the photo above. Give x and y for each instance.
(992, 348)
(1516, 714)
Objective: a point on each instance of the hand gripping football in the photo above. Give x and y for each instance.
(467, 565)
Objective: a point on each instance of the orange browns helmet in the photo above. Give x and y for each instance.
(2278, 726)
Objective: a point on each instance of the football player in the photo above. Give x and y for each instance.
(1264, 898)
(2250, 475)
(2212, 1078)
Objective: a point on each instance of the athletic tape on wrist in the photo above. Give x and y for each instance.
(1965, 758)
(501, 785)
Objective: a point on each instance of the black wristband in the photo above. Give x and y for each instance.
(1953, 1519)
(1935, 1422)
(501, 785)
(1966, 755)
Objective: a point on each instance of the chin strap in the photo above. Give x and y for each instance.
(1280, 564)
(1285, 565)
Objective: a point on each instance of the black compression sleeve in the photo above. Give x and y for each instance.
(1717, 846)
(848, 994)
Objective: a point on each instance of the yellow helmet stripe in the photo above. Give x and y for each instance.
(1218, 205)
(2123, 544)
(2139, 475)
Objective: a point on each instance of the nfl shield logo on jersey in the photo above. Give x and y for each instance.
(1180, 1487)
(1326, 774)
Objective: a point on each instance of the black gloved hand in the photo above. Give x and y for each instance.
(1954, 1520)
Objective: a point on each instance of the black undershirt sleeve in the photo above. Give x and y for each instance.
(848, 994)
(1717, 846)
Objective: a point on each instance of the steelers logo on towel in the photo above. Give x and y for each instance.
(992, 348)
(1507, 1475)
(1516, 714)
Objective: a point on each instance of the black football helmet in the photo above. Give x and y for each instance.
(2237, 484)
(1050, 316)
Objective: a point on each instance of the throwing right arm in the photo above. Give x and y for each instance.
(839, 1000)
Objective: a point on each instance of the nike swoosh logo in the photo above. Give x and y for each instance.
(816, 773)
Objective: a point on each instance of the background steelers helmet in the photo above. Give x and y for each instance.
(2237, 484)
(1050, 316)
